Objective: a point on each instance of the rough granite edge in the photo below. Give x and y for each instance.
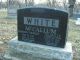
(42, 50)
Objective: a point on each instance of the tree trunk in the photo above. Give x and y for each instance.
(71, 12)
(71, 7)
(26, 2)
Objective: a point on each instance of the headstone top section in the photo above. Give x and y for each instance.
(42, 26)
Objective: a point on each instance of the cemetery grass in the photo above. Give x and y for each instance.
(8, 30)
(74, 38)
(3, 13)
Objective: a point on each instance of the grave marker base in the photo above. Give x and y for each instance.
(19, 50)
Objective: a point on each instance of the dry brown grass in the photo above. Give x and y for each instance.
(8, 29)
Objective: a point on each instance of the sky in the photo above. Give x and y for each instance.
(37, 1)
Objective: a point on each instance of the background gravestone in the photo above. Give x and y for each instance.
(42, 26)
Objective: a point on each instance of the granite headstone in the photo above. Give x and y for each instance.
(42, 26)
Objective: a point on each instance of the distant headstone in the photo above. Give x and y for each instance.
(42, 26)
(78, 21)
(1, 42)
(12, 12)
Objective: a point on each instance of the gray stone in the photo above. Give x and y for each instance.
(30, 51)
